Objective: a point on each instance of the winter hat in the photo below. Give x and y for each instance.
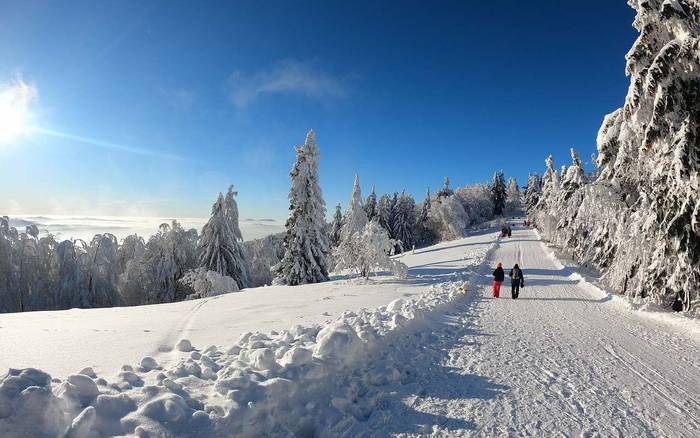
(500, 265)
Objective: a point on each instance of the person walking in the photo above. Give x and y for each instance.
(517, 281)
(498, 276)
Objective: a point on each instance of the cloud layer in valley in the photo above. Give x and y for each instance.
(85, 227)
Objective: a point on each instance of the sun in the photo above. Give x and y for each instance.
(15, 100)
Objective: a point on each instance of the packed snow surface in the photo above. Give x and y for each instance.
(429, 355)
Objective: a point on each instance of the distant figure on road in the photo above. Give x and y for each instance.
(498, 276)
(517, 280)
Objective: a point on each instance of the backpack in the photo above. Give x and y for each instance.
(517, 274)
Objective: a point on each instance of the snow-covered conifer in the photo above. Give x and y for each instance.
(384, 212)
(353, 223)
(639, 221)
(221, 244)
(498, 193)
(445, 191)
(405, 222)
(532, 192)
(424, 235)
(355, 217)
(334, 231)
(512, 195)
(371, 205)
(306, 243)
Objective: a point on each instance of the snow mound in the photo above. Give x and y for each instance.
(311, 381)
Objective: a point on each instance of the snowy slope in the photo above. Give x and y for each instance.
(64, 342)
(565, 359)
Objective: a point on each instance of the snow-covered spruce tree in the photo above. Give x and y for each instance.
(371, 205)
(641, 217)
(384, 213)
(405, 222)
(393, 213)
(498, 193)
(221, 244)
(533, 190)
(445, 191)
(547, 207)
(574, 177)
(369, 252)
(355, 217)
(354, 222)
(424, 233)
(334, 231)
(306, 243)
(513, 203)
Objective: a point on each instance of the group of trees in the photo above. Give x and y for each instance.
(39, 273)
(637, 217)
(363, 238)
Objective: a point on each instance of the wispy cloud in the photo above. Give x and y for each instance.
(288, 76)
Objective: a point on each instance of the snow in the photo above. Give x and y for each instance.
(64, 342)
(393, 357)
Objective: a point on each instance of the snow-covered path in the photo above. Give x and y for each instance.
(561, 360)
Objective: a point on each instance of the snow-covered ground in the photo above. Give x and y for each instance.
(422, 358)
(64, 342)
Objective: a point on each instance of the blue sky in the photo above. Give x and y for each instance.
(153, 107)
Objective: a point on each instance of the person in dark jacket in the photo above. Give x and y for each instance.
(517, 280)
(498, 276)
(509, 231)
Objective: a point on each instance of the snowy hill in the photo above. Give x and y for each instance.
(346, 358)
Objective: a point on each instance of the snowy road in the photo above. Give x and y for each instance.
(561, 360)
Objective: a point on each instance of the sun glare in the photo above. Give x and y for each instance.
(15, 100)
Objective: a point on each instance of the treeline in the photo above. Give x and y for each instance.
(637, 217)
(40, 273)
(371, 229)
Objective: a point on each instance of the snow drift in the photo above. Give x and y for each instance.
(318, 380)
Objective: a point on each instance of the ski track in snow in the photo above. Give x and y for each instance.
(557, 361)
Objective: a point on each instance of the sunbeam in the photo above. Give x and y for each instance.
(106, 144)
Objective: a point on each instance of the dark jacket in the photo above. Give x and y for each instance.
(516, 275)
(499, 275)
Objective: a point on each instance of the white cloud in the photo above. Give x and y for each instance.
(85, 227)
(288, 76)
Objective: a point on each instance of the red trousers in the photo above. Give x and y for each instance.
(497, 288)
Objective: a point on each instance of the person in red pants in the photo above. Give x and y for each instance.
(498, 277)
